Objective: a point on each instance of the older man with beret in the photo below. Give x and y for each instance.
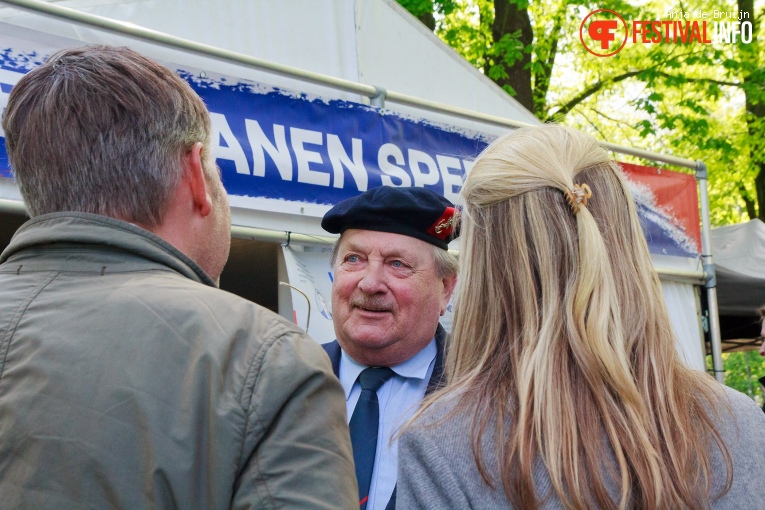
(393, 278)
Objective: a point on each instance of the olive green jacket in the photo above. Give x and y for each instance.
(128, 380)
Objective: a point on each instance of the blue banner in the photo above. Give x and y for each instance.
(276, 144)
(287, 146)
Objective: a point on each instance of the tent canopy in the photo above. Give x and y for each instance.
(289, 148)
(739, 256)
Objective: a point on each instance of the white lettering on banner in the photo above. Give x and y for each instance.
(452, 181)
(280, 154)
(339, 158)
(231, 150)
(305, 148)
(416, 160)
(304, 157)
(391, 170)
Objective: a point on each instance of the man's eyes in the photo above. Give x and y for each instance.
(395, 263)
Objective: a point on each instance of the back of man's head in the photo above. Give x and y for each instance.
(102, 130)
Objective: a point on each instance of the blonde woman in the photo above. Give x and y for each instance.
(564, 387)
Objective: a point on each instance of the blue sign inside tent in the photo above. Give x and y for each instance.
(278, 144)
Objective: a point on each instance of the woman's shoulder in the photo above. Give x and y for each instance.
(741, 425)
(445, 420)
(744, 415)
(448, 407)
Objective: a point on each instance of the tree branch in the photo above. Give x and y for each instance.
(563, 110)
(702, 80)
(596, 128)
(615, 121)
(751, 209)
(596, 87)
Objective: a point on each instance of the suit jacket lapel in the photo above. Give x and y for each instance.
(333, 351)
(437, 379)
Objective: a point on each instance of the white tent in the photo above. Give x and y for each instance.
(371, 41)
(362, 44)
(740, 260)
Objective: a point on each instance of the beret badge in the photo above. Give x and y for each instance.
(445, 225)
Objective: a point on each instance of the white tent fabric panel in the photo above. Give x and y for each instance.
(741, 248)
(313, 35)
(9, 190)
(681, 302)
(739, 252)
(370, 41)
(387, 36)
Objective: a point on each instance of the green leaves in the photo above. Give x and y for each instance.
(742, 369)
(698, 101)
(420, 7)
(503, 54)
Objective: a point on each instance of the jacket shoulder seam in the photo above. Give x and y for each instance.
(16, 318)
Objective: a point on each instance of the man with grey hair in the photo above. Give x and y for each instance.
(127, 378)
(393, 277)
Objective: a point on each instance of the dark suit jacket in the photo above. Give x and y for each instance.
(436, 379)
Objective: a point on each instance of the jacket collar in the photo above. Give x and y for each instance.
(86, 229)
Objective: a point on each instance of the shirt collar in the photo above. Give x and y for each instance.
(415, 367)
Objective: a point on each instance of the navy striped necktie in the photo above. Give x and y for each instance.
(364, 424)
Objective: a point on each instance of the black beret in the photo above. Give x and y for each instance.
(415, 212)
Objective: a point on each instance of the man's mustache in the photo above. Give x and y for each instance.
(371, 303)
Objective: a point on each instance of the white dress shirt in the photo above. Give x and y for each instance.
(398, 398)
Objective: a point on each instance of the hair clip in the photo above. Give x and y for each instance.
(578, 196)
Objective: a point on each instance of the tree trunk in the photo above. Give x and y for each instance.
(509, 18)
(754, 89)
(428, 20)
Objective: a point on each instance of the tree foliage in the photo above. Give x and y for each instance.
(742, 371)
(698, 101)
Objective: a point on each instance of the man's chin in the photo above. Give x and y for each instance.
(370, 337)
(371, 350)
(372, 340)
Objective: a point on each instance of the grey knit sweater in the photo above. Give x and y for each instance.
(437, 470)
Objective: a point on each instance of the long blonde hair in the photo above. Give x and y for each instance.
(561, 336)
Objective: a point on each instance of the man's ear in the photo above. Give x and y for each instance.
(449, 283)
(194, 172)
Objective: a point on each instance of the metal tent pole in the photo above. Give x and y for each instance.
(709, 270)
